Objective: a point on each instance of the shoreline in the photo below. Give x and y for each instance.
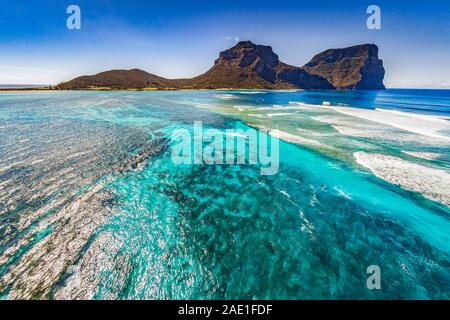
(53, 88)
(143, 90)
(107, 89)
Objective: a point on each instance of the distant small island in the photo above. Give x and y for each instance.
(251, 66)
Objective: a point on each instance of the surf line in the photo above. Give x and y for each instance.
(232, 147)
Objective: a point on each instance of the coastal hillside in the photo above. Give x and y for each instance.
(117, 79)
(355, 67)
(251, 66)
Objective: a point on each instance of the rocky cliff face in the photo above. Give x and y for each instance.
(246, 65)
(251, 58)
(355, 67)
(251, 66)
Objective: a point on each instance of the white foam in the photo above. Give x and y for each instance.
(307, 226)
(278, 107)
(425, 125)
(236, 135)
(252, 92)
(2, 183)
(243, 107)
(225, 96)
(415, 115)
(361, 132)
(279, 114)
(431, 182)
(285, 193)
(308, 107)
(289, 90)
(314, 133)
(423, 155)
(294, 139)
(257, 115)
(342, 193)
(372, 130)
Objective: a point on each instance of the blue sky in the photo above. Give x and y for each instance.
(183, 38)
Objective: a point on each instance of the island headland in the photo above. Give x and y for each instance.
(251, 66)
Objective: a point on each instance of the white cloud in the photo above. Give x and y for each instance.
(230, 38)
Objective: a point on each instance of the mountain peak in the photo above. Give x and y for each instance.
(245, 43)
(246, 53)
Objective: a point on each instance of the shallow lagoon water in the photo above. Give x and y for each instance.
(87, 186)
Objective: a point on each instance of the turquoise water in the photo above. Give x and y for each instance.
(92, 207)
